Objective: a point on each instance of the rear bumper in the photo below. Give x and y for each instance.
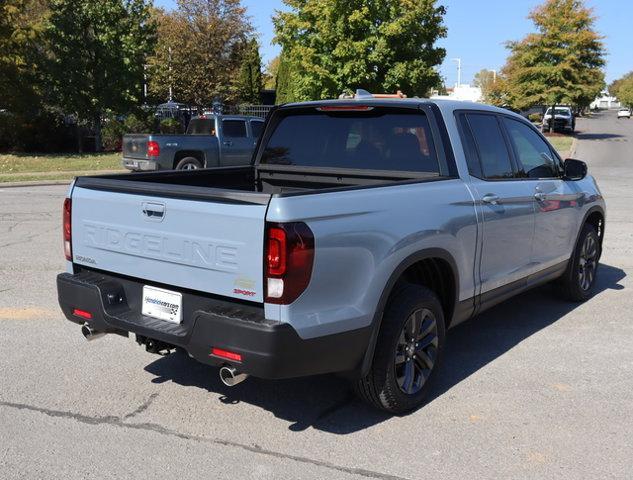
(269, 349)
(142, 165)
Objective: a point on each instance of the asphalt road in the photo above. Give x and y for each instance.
(535, 388)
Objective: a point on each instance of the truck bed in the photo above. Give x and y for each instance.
(248, 184)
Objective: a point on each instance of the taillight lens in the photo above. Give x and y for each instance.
(153, 149)
(289, 258)
(67, 229)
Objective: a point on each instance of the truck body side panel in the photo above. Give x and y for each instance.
(362, 236)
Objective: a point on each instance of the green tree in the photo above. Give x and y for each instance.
(97, 53)
(284, 82)
(614, 87)
(486, 80)
(381, 46)
(199, 50)
(625, 92)
(249, 80)
(561, 63)
(21, 25)
(270, 75)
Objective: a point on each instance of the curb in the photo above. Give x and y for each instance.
(36, 183)
(66, 181)
(572, 149)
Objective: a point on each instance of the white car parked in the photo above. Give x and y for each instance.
(624, 113)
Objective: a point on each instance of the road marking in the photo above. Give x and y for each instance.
(29, 313)
(562, 387)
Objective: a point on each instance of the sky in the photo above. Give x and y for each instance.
(478, 30)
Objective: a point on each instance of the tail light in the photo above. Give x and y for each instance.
(153, 149)
(288, 261)
(67, 229)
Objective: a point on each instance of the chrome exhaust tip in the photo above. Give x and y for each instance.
(90, 334)
(231, 377)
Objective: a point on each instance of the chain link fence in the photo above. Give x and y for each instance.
(252, 110)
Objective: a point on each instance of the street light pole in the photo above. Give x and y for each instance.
(459, 70)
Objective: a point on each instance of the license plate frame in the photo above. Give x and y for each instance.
(162, 304)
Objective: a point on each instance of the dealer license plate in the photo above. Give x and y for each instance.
(162, 304)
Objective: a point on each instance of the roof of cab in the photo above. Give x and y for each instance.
(446, 105)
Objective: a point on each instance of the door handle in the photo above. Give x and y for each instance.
(540, 196)
(491, 198)
(227, 143)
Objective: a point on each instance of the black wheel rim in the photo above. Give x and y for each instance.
(588, 263)
(416, 351)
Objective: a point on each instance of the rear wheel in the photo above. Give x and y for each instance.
(188, 163)
(578, 282)
(408, 350)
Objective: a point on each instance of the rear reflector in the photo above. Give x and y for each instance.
(67, 229)
(153, 149)
(218, 352)
(82, 314)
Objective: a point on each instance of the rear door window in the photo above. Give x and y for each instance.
(234, 128)
(376, 140)
(201, 126)
(256, 128)
(490, 146)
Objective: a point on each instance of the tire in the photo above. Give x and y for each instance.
(188, 163)
(400, 373)
(579, 280)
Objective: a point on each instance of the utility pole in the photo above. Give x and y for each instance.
(459, 70)
(494, 76)
(170, 78)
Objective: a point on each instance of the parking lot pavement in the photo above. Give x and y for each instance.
(535, 388)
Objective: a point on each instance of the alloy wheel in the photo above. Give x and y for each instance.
(416, 351)
(588, 263)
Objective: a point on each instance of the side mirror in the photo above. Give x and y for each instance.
(575, 169)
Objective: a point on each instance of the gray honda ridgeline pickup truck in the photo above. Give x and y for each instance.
(210, 141)
(364, 229)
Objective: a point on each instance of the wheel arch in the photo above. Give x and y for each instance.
(197, 154)
(594, 216)
(449, 297)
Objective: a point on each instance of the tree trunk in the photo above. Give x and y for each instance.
(551, 122)
(97, 127)
(78, 137)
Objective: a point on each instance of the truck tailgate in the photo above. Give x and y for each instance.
(199, 244)
(135, 145)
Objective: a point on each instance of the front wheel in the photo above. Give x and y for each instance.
(408, 350)
(579, 280)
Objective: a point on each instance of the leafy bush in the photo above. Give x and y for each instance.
(535, 117)
(112, 133)
(170, 126)
(134, 123)
(43, 132)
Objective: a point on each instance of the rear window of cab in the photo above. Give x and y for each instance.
(374, 140)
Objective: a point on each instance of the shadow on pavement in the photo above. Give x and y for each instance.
(326, 402)
(597, 136)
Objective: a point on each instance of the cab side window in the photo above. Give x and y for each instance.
(234, 128)
(533, 153)
(486, 147)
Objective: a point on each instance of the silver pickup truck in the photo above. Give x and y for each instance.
(210, 141)
(364, 230)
